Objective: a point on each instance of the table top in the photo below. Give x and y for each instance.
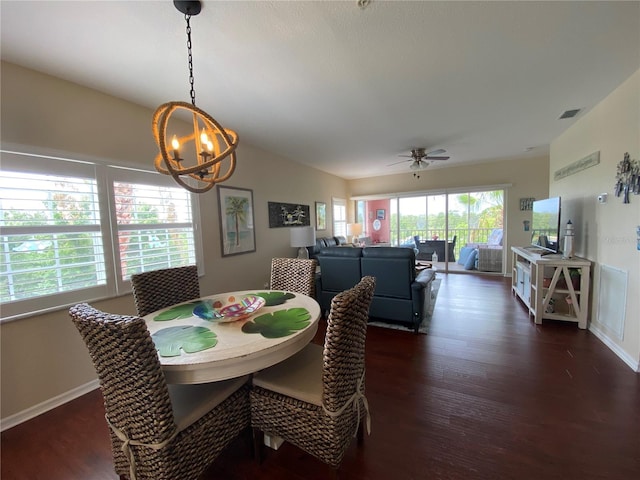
(282, 325)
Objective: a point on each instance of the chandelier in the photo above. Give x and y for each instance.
(208, 145)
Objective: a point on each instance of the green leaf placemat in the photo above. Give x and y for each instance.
(179, 311)
(275, 298)
(191, 339)
(279, 324)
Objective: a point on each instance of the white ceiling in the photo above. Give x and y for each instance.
(341, 88)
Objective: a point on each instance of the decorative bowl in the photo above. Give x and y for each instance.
(244, 308)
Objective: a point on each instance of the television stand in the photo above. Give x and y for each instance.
(545, 285)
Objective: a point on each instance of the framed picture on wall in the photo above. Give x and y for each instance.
(321, 216)
(288, 215)
(237, 231)
(380, 214)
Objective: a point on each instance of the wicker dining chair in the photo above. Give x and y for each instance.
(162, 288)
(158, 431)
(294, 275)
(315, 399)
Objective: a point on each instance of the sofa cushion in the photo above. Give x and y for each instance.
(340, 240)
(468, 257)
(388, 252)
(464, 254)
(339, 268)
(495, 238)
(329, 241)
(394, 269)
(345, 251)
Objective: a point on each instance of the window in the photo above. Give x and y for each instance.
(154, 224)
(339, 217)
(56, 243)
(361, 215)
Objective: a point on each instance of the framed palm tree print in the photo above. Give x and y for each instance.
(237, 230)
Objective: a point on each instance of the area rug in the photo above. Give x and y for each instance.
(424, 326)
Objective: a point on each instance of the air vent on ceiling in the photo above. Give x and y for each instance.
(569, 113)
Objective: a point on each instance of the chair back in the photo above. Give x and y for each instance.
(135, 393)
(344, 343)
(294, 275)
(162, 288)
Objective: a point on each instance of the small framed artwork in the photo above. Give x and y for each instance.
(237, 231)
(321, 216)
(526, 203)
(380, 214)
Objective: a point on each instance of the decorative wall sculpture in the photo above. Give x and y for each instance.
(627, 178)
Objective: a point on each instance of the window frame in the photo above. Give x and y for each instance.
(105, 175)
(339, 225)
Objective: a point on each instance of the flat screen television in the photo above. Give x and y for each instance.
(545, 224)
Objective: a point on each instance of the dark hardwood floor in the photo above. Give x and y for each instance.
(486, 395)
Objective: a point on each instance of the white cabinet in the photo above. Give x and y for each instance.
(552, 287)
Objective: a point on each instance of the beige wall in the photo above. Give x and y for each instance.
(527, 178)
(42, 356)
(605, 233)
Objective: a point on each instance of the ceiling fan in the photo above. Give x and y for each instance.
(419, 158)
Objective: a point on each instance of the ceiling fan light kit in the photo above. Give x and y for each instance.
(212, 143)
(419, 157)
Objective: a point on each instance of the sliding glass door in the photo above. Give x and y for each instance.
(443, 223)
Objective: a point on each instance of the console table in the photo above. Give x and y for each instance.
(544, 284)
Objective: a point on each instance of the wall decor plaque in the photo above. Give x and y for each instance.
(578, 166)
(288, 215)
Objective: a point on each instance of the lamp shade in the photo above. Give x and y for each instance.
(303, 236)
(354, 229)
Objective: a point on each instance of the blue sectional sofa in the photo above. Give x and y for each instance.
(323, 242)
(401, 294)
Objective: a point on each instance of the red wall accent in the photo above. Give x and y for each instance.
(383, 235)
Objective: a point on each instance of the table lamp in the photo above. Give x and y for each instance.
(303, 237)
(354, 229)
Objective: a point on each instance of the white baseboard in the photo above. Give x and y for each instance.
(624, 356)
(50, 404)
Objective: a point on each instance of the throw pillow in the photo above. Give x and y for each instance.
(470, 263)
(464, 254)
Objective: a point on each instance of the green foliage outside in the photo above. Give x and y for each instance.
(49, 263)
(471, 219)
(34, 265)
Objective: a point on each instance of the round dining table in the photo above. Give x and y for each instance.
(242, 332)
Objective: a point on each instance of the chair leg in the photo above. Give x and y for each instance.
(334, 473)
(258, 445)
(360, 433)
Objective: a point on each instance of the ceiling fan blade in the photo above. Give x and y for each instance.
(437, 158)
(436, 152)
(396, 163)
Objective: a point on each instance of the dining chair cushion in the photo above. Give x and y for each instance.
(299, 376)
(191, 402)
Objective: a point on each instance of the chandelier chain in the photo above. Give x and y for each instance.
(191, 80)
